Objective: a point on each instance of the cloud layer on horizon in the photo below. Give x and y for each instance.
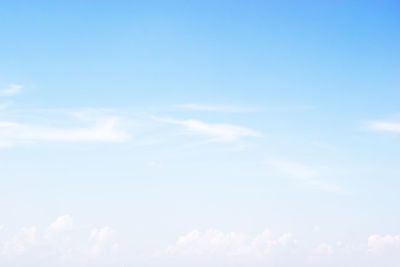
(267, 247)
(61, 239)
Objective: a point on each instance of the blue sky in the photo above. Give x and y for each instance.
(199, 133)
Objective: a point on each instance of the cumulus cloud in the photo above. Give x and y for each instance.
(11, 89)
(214, 131)
(217, 243)
(62, 224)
(323, 249)
(384, 126)
(102, 238)
(59, 240)
(265, 248)
(21, 242)
(378, 244)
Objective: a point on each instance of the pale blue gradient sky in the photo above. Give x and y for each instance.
(151, 119)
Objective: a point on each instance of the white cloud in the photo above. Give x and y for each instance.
(239, 109)
(62, 224)
(384, 126)
(103, 130)
(323, 249)
(265, 247)
(102, 239)
(378, 244)
(11, 89)
(294, 169)
(317, 228)
(59, 240)
(21, 242)
(303, 173)
(216, 132)
(214, 108)
(217, 243)
(104, 126)
(6, 105)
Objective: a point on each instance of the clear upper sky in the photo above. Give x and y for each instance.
(199, 133)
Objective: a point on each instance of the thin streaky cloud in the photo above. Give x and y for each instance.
(102, 130)
(11, 89)
(298, 107)
(239, 109)
(303, 173)
(6, 105)
(384, 126)
(214, 131)
(217, 108)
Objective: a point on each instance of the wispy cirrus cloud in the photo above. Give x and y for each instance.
(215, 132)
(384, 126)
(103, 129)
(6, 105)
(108, 126)
(303, 173)
(216, 108)
(11, 89)
(240, 109)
